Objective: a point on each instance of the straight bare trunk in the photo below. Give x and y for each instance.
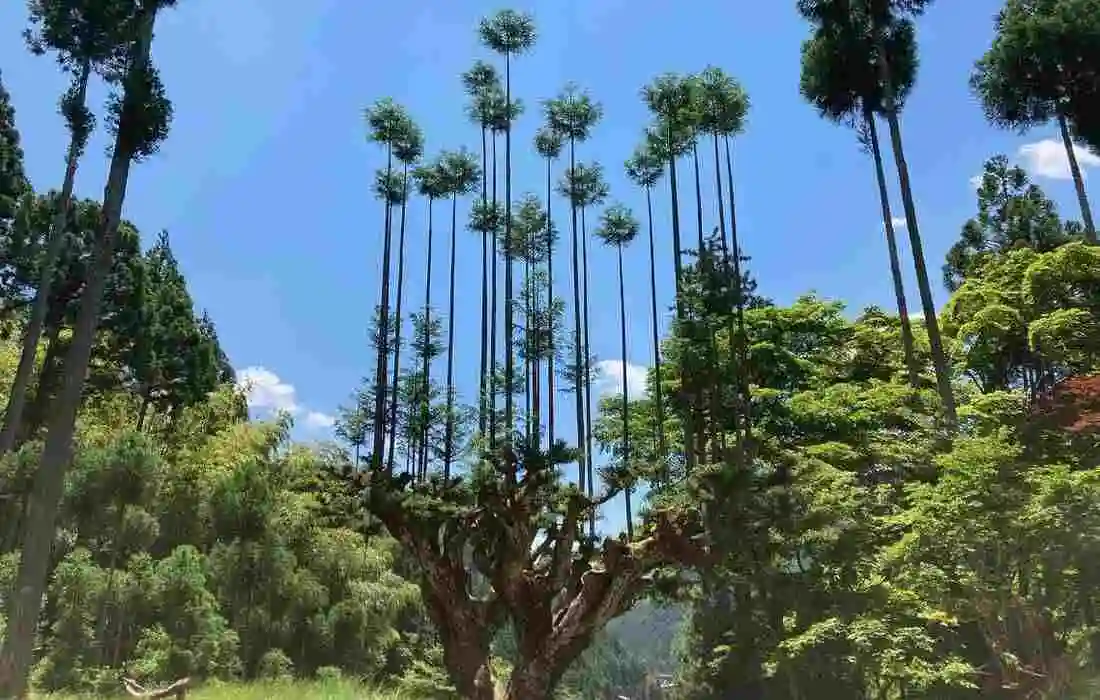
(578, 320)
(551, 349)
(448, 438)
(509, 319)
(626, 393)
(589, 462)
(17, 399)
(1078, 179)
(25, 602)
(895, 261)
(662, 450)
(379, 437)
(392, 447)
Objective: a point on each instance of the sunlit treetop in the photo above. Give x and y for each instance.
(387, 122)
(147, 110)
(665, 140)
(840, 75)
(504, 112)
(617, 225)
(409, 146)
(674, 98)
(431, 179)
(481, 76)
(389, 186)
(548, 142)
(572, 113)
(723, 103)
(486, 218)
(531, 240)
(584, 186)
(644, 167)
(1044, 51)
(508, 32)
(824, 11)
(80, 31)
(460, 171)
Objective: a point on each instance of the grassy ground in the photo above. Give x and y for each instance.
(329, 690)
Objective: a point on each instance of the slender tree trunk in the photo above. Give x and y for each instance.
(1078, 180)
(551, 350)
(578, 320)
(734, 359)
(509, 320)
(895, 261)
(17, 399)
(528, 350)
(689, 430)
(448, 439)
(928, 304)
(482, 418)
(662, 451)
(745, 399)
(379, 437)
(392, 446)
(493, 322)
(698, 193)
(425, 368)
(587, 376)
(626, 392)
(25, 602)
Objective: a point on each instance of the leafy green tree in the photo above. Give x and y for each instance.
(1043, 61)
(585, 187)
(482, 83)
(85, 35)
(140, 118)
(548, 143)
(13, 181)
(573, 114)
(407, 152)
(619, 228)
(389, 124)
(645, 169)
(1012, 213)
(510, 33)
(459, 174)
(880, 33)
(842, 92)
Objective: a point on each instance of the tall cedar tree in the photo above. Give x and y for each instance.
(140, 119)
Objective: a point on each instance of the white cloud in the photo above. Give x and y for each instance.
(267, 394)
(1047, 158)
(316, 419)
(265, 391)
(898, 222)
(610, 380)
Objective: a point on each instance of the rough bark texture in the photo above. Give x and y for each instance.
(554, 585)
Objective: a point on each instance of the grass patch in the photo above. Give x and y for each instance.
(316, 690)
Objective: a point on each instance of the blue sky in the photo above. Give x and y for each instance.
(265, 181)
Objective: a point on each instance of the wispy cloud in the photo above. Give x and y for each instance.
(610, 379)
(267, 394)
(1048, 158)
(898, 222)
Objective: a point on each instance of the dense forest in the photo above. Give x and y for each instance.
(816, 501)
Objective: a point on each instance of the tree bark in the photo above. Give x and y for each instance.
(578, 320)
(493, 316)
(379, 437)
(587, 381)
(662, 450)
(448, 438)
(626, 392)
(17, 399)
(1078, 179)
(928, 304)
(509, 320)
(482, 418)
(551, 340)
(895, 261)
(425, 368)
(26, 598)
(396, 377)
